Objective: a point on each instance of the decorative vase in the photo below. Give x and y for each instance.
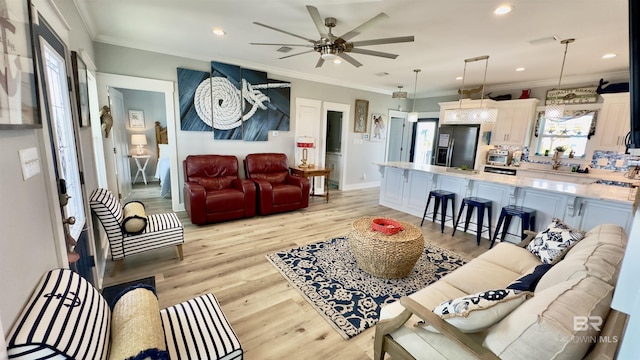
(525, 94)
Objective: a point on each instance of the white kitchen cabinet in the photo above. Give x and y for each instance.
(405, 190)
(613, 122)
(592, 212)
(513, 126)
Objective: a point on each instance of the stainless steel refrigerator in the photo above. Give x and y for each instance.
(457, 145)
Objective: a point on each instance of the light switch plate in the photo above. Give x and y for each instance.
(29, 162)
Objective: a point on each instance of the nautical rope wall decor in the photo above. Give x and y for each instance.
(219, 96)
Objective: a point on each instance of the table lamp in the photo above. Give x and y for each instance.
(139, 140)
(305, 144)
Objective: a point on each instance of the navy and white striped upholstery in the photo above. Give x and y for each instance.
(197, 329)
(66, 318)
(162, 229)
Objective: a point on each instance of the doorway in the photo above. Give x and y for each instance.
(333, 158)
(107, 82)
(424, 141)
(399, 137)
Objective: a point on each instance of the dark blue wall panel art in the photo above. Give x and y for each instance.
(238, 103)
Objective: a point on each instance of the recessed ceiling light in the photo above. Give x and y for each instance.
(218, 31)
(608, 56)
(503, 9)
(520, 69)
(459, 78)
(337, 61)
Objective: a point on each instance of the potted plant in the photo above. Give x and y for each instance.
(559, 151)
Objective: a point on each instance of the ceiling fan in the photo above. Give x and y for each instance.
(329, 46)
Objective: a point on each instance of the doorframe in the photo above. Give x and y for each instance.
(397, 114)
(345, 109)
(106, 80)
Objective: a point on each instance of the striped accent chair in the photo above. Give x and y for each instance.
(67, 318)
(162, 230)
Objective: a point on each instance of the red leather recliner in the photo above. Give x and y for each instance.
(278, 191)
(214, 192)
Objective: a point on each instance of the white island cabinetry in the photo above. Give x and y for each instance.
(405, 187)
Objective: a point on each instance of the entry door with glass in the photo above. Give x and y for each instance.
(62, 130)
(424, 143)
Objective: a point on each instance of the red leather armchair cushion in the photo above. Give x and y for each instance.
(278, 191)
(214, 192)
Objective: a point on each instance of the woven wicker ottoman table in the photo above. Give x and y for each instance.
(385, 256)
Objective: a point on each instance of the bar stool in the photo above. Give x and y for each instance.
(441, 197)
(527, 220)
(481, 205)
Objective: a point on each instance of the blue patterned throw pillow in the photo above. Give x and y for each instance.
(551, 243)
(476, 312)
(528, 282)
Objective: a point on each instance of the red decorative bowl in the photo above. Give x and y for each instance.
(386, 226)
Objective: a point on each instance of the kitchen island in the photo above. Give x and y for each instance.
(405, 187)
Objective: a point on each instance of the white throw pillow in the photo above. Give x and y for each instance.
(553, 241)
(477, 312)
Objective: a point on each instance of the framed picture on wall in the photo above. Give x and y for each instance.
(19, 90)
(361, 114)
(81, 88)
(378, 127)
(136, 119)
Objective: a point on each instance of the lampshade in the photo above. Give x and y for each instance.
(138, 139)
(555, 109)
(413, 115)
(305, 144)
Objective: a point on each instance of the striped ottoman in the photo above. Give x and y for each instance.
(197, 329)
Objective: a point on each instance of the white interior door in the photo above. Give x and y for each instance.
(309, 123)
(120, 143)
(399, 137)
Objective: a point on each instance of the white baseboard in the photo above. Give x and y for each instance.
(359, 186)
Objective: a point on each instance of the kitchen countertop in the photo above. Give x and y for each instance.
(590, 191)
(596, 174)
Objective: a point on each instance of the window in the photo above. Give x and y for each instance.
(572, 133)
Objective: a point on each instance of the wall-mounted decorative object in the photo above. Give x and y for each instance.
(378, 127)
(605, 88)
(188, 83)
(18, 87)
(583, 95)
(136, 119)
(237, 103)
(81, 87)
(106, 120)
(360, 116)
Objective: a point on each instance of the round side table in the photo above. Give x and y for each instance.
(386, 256)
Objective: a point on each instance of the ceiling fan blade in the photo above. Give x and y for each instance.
(317, 20)
(320, 62)
(277, 44)
(284, 32)
(358, 30)
(392, 40)
(351, 60)
(373, 53)
(304, 52)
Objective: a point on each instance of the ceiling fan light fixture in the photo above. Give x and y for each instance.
(337, 61)
(328, 53)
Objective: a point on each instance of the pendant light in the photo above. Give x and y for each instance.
(555, 109)
(482, 114)
(413, 115)
(399, 94)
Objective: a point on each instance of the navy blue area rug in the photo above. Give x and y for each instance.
(327, 275)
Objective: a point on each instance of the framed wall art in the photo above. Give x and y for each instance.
(361, 113)
(81, 87)
(378, 127)
(19, 92)
(136, 119)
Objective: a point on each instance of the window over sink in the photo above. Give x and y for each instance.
(572, 131)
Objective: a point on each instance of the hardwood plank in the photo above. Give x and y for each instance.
(272, 320)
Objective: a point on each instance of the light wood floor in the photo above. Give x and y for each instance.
(272, 320)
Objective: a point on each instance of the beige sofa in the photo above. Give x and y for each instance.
(542, 327)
